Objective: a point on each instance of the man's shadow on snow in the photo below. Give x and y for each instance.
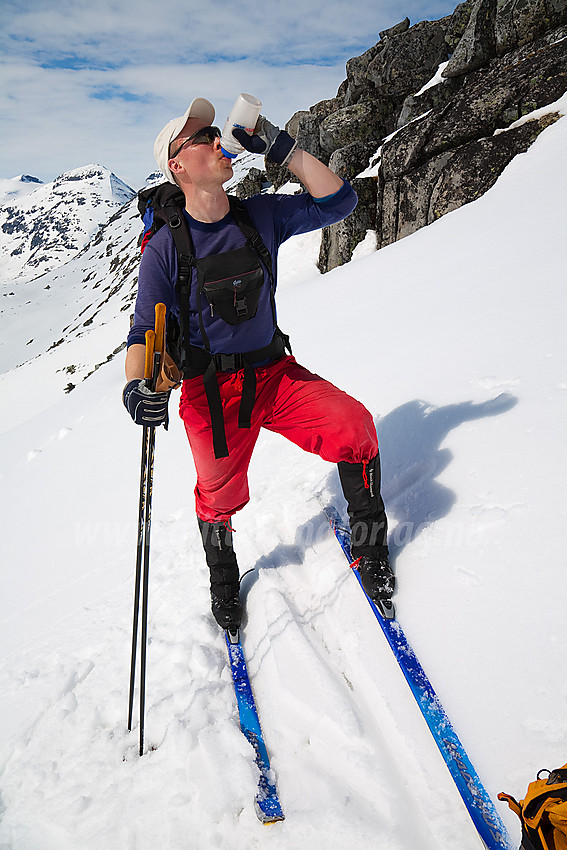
(410, 439)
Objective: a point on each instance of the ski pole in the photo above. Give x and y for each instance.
(150, 336)
(139, 549)
(157, 358)
(155, 347)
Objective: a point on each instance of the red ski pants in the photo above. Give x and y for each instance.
(291, 401)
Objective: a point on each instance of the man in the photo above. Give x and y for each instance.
(237, 376)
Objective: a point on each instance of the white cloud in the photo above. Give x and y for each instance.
(114, 32)
(59, 125)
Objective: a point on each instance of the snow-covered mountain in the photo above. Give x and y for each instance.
(44, 224)
(84, 302)
(454, 339)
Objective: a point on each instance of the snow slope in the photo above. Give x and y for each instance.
(454, 339)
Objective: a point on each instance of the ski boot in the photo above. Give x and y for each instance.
(225, 579)
(377, 577)
(369, 529)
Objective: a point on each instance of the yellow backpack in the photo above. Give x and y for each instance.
(543, 812)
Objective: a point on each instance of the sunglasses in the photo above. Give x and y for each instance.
(204, 136)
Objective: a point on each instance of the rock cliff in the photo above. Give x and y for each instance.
(437, 107)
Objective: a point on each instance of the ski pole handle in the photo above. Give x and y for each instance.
(155, 348)
(149, 363)
(155, 341)
(159, 344)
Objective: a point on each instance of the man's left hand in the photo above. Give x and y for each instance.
(268, 139)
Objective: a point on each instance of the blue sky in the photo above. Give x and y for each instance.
(86, 82)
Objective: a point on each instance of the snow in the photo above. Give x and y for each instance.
(435, 79)
(454, 339)
(16, 187)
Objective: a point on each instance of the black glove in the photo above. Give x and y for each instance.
(274, 143)
(144, 406)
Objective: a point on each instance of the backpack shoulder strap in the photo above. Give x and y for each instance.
(244, 221)
(166, 202)
(185, 261)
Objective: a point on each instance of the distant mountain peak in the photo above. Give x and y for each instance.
(43, 227)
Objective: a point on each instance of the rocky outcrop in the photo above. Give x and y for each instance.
(409, 59)
(457, 150)
(494, 28)
(438, 100)
(252, 184)
(450, 179)
(339, 241)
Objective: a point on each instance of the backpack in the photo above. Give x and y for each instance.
(229, 284)
(543, 811)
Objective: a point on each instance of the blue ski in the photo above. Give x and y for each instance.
(267, 804)
(475, 797)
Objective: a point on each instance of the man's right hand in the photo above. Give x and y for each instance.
(144, 406)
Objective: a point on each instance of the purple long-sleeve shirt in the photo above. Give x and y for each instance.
(277, 218)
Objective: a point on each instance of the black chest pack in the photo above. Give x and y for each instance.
(229, 286)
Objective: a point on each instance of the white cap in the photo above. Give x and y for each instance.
(199, 108)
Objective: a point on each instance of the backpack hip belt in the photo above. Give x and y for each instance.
(207, 365)
(200, 359)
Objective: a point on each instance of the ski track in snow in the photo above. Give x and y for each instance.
(72, 776)
(75, 770)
